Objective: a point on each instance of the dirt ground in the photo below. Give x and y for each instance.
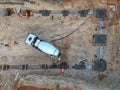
(74, 48)
(49, 31)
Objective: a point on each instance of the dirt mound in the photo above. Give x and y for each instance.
(32, 82)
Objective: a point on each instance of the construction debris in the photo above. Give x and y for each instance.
(17, 75)
(82, 65)
(7, 11)
(60, 66)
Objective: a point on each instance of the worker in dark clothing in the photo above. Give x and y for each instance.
(26, 13)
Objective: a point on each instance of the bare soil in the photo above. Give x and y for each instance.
(72, 35)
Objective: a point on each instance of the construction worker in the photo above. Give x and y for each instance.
(19, 15)
(62, 70)
(14, 10)
(31, 13)
(14, 43)
(27, 15)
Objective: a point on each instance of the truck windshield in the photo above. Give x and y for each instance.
(34, 40)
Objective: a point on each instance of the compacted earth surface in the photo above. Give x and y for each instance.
(72, 35)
